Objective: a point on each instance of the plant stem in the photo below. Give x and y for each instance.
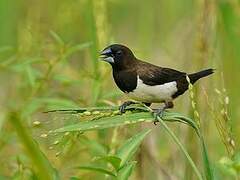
(169, 131)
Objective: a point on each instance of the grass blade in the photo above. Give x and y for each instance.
(127, 150)
(143, 116)
(76, 48)
(96, 169)
(57, 38)
(113, 160)
(108, 122)
(119, 120)
(169, 131)
(207, 167)
(126, 171)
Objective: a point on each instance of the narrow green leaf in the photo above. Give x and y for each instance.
(188, 157)
(76, 48)
(57, 38)
(125, 172)
(180, 118)
(137, 117)
(119, 120)
(66, 80)
(108, 122)
(206, 163)
(113, 160)
(25, 63)
(96, 169)
(127, 150)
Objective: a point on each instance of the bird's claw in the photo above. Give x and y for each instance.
(123, 107)
(158, 114)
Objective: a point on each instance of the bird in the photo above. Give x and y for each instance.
(147, 83)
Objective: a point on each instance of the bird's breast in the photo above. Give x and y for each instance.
(153, 94)
(125, 80)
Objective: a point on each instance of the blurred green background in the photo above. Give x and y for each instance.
(49, 60)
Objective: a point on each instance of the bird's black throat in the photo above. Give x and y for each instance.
(126, 80)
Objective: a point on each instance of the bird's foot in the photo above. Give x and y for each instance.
(158, 113)
(123, 107)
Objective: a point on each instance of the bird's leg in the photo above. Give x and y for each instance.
(159, 112)
(123, 107)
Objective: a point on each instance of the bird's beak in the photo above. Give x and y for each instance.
(107, 56)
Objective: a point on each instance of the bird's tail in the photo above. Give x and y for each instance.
(196, 76)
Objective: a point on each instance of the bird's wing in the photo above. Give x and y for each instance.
(154, 75)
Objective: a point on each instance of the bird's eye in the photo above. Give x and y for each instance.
(119, 53)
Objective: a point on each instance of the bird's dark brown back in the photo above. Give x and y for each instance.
(154, 75)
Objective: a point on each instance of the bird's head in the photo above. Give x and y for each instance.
(119, 56)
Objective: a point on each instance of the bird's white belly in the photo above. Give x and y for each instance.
(153, 94)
